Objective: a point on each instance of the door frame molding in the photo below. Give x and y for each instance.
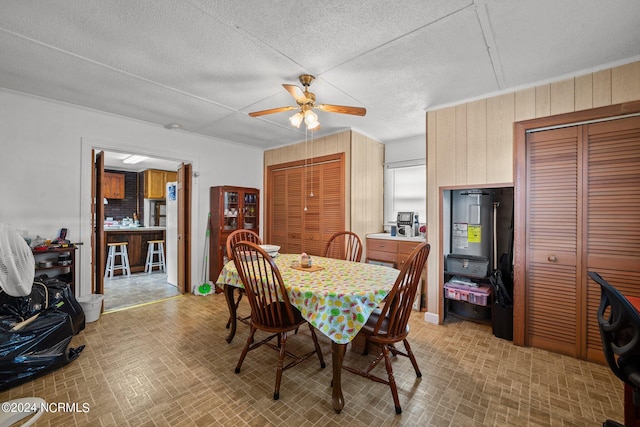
(520, 130)
(86, 230)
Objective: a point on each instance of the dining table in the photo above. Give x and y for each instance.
(335, 296)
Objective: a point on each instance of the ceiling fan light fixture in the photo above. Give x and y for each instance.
(311, 119)
(296, 119)
(306, 102)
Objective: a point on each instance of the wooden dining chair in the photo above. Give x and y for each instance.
(344, 245)
(271, 310)
(388, 325)
(235, 237)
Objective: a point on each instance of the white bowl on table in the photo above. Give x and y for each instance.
(272, 250)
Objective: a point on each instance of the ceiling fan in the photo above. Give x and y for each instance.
(306, 103)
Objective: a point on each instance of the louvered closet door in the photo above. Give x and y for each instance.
(613, 215)
(325, 209)
(552, 225)
(295, 228)
(278, 209)
(333, 207)
(312, 240)
(285, 210)
(294, 214)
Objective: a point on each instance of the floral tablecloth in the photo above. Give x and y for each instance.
(336, 300)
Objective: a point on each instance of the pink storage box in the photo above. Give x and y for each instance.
(474, 295)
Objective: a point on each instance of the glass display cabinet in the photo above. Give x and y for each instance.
(232, 208)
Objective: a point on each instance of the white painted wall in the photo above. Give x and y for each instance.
(45, 165)
(400, 150)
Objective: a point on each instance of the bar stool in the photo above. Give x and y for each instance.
(117, 249)
(151, 252)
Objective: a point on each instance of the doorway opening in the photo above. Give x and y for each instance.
(139, 206)
(477, 249)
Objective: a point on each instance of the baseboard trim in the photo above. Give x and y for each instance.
(431, 318)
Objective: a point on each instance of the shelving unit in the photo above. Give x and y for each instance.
(480, 311)
(232, 208)
(53, 254)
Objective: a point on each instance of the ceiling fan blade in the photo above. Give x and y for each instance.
(296, 92)
(271, 111)
(342, 109)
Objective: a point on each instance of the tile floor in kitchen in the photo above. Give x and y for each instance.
(140, 288)
(168, 364)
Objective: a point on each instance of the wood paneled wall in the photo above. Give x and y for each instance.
(471, 144)
(367, 182)
(364, 174)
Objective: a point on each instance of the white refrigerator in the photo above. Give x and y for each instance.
(171, 233)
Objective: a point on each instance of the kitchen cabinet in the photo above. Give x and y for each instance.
(394, 252)
(113, 185)
(62, 264)
(155, 183)
(232, 208)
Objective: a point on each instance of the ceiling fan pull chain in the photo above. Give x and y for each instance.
(311, 183)
(305, 166)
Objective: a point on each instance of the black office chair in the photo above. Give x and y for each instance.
(619, 324)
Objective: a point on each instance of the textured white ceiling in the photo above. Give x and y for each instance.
(206, 64)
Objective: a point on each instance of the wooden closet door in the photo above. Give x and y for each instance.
(325, 209)
(612, 225)
(552, 241)
(277, 210)
(294, 211)
(333, 200)
(297, 220)
(285, 210)
(312, 196)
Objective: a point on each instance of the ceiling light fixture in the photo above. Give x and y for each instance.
(296, 119)
(132, 160)
(310, 119)
(306, 102)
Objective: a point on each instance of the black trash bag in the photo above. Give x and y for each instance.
(61, 297)
(45, 293)
(502, 320)
(22, 308)
(42, 345)
(38, 348)
(502, 295)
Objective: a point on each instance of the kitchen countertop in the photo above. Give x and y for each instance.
(388, 236)
(138, 229)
